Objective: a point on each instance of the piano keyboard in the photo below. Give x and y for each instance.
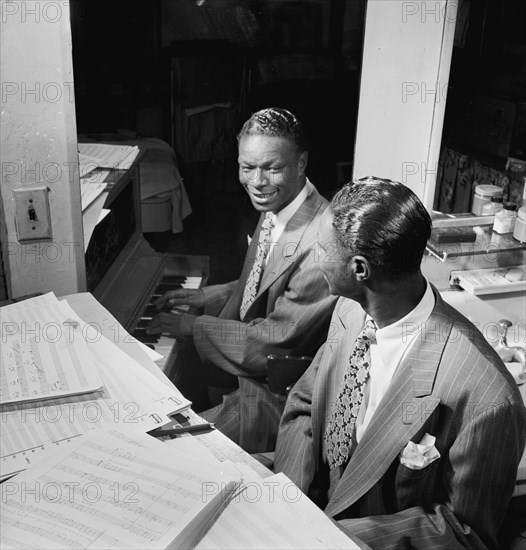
(162, 343)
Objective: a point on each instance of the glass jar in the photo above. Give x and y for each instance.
(505, 219)
(482, 196)
(492, 207)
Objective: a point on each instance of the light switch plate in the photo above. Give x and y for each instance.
(32, 215)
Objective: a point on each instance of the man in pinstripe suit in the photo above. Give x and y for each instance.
(430, 458)
(281, 302)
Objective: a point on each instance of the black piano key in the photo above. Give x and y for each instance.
(173, 279)
(150, 311)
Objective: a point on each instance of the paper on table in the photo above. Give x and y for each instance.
(221, 447)
(103, 213)
(87, 164)
(151, 353)
(112, 489)
(89, 192)
(96, 176)
(90, 217)
(111, 156)
(274, 513)
(43, 356)
(131, 395)
(36, 301)
(194, 446)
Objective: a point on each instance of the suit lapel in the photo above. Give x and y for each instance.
(288, 245)
(404, 408)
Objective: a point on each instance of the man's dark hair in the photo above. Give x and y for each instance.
(275, 122)
(385, 222)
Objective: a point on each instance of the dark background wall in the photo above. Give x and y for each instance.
(148, 65)
(191, 71)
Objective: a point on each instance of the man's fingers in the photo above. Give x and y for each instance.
(156, 325)
(167, 299)
(161, 301)
(153, 330)
(173, 298)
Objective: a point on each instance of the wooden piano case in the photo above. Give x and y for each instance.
(122, 270)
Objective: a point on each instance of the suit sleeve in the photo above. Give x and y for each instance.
(216, 297)
(296, 326)
(477, 486)
(294, 454)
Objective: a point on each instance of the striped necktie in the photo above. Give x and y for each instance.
(339, 433)
(252, 284)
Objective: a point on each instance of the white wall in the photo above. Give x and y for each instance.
(39, 144)
(405, 72)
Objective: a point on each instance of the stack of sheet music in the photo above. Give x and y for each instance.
(60, 378)
(93, 197)
(114, 489)
(121, 488)
(103, 155)
(95, 162)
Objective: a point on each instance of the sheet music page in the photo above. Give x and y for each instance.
(221, 448)
(36, 301)
(90, 217)
(130, 395)
(274, 513)
(98, 175)
(103, 213)
(111, 489)
(87, 164)
(110, 156)
(43, 357)
(127, 161)
(89, 191)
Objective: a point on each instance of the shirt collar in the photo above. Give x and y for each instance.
(394, 339)
(285, 214)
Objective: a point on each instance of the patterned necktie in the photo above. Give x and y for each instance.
(340, 429)
(252, 284)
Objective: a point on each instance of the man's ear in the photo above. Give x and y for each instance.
(302, 162)
(361, 268)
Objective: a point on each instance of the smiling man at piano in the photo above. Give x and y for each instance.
(281, 302)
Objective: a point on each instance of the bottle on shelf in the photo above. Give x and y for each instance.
(519, 233)
(492, 207)
(505, 219)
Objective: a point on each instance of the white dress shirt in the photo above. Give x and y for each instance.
(393, 342)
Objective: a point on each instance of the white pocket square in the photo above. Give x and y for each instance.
(417, 456)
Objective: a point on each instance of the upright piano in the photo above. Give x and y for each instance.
(123, 271)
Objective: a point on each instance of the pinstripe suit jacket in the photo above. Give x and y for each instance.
(451, 385)
(289, 316)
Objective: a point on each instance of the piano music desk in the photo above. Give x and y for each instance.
(123, 271)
